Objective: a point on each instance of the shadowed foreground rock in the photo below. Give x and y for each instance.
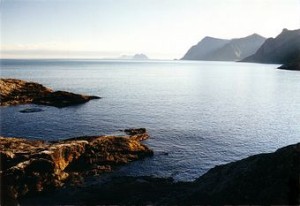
(291, 66)
(14, 92)
(264, 179)
(29, 167)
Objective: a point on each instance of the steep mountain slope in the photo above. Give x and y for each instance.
(204, 47)
(237, 49)
(213, 49)
(284, 49)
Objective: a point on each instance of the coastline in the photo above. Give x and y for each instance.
(38, 172)
(270, 178)
(29, 167)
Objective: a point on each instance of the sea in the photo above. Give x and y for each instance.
(199, 114)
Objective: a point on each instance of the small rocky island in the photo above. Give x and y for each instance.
(15, 91)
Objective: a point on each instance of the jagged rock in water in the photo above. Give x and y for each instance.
(134, 131)
(31, 110)
(15, 91)
(290, 66)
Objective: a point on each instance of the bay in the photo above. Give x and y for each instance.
(198, 114)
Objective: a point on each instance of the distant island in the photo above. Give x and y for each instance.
(139, 56)
(214, 49)
(284, 49)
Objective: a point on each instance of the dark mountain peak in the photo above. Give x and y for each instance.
(283, 49)
(285, 33)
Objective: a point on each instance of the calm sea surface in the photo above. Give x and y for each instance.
(200, 113)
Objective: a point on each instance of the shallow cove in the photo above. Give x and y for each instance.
(198, 114)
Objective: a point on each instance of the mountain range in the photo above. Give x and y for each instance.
(284, 49)
(214, 49)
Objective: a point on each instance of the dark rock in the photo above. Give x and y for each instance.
(135, 131)
(264, 179)
(290, 66)
(31, 110)
(139, 134)
(63, 99)
(14, 91)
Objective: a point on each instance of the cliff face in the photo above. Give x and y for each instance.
(212, 49)
(284, 49)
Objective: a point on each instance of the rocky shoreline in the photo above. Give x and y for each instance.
(33, 166)
(39, 173)
(15, 91)
(36, 172)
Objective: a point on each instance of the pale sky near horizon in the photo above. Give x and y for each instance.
(161, 29)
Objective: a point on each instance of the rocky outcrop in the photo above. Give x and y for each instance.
(212, 49)
(264, 179)
(31, 110)
(284, 49)
(291, 66)
(15, 91)
(32, 166)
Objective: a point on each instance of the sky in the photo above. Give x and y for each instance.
(161, 29)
